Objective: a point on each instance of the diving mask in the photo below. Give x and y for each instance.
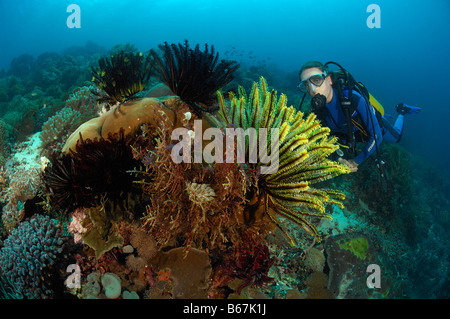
(312, 82)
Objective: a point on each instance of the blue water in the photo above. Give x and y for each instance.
(405, 60)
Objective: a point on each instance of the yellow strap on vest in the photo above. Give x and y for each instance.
(376, 104)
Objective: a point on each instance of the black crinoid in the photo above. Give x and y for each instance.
(192, 74)
(98, 171)
(121, 77)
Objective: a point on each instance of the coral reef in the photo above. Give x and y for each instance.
(140, 225)
(20, 117)
(21, 188)
(217, 204)
(21, 65)
(8, 290)
(193, 75)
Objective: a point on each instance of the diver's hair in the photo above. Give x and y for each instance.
(313, 64)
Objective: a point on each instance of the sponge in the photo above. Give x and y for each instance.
(112, 286)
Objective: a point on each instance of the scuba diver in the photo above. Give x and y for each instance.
(350, 111)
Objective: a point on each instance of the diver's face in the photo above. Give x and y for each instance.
(316, 83)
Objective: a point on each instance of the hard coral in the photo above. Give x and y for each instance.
(82, 100)
(80, 107)
(129, 117)
(190, 271)
(317, 286)
(57, 128)
(4, 147)
(30, 256)
(193, 75)
(344, 260)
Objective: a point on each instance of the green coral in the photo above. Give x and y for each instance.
(358, 246)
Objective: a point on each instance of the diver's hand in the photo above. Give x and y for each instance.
(349, 163)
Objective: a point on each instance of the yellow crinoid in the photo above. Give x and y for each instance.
(301, 148)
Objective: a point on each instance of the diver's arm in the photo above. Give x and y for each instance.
(372, 130)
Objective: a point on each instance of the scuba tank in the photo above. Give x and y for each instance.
(345, 81)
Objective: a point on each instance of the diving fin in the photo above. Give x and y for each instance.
(404, 109)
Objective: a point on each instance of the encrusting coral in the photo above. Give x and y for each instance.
(190, 272)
